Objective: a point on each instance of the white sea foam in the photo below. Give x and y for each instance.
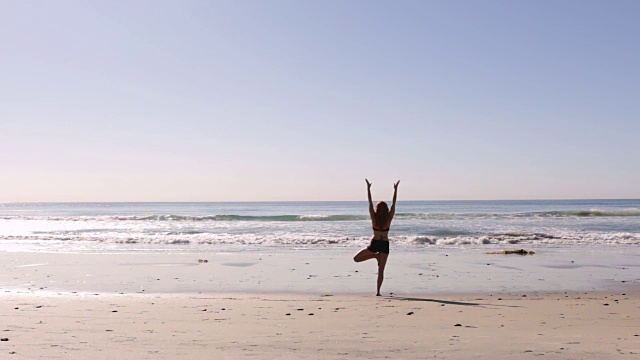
(206, 241)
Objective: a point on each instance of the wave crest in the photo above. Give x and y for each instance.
(195, 238)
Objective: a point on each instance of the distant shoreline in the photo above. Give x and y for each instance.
(315, 201)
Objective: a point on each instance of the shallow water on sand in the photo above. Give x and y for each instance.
(321, 271)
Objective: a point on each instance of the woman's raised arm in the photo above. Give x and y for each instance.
(371, 211)
(392, 211)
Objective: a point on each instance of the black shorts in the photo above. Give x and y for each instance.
(379, 246)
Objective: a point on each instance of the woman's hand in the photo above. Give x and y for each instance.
(395, 186)
(368, 184)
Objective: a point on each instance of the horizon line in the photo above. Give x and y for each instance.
(302, 201)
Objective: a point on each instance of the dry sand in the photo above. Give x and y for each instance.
(287, 326)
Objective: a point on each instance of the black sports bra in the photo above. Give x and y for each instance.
(382, 230)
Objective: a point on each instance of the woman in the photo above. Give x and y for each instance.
(381, 219)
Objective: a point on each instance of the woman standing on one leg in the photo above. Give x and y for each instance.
(381, 218)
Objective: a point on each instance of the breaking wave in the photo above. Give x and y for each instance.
(594, 212)
(403, 241)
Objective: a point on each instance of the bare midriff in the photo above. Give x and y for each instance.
(381, 235)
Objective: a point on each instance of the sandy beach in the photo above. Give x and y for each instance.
(239, 326)
(167, 306)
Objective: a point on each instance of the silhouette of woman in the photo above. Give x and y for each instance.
(381, 218)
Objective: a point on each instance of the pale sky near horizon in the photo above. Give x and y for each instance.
(301, 100)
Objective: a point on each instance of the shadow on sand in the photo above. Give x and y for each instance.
(446, 302)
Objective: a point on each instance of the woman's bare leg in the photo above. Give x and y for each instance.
(364, 254)
(382, 262)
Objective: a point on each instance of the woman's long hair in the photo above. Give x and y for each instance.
(382, 214)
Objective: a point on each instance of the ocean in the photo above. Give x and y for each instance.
(246, 226)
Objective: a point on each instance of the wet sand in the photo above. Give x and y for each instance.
(320, 271)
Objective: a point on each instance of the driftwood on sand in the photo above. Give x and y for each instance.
(517, 252)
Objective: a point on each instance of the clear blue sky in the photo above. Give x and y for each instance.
(301, 100)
